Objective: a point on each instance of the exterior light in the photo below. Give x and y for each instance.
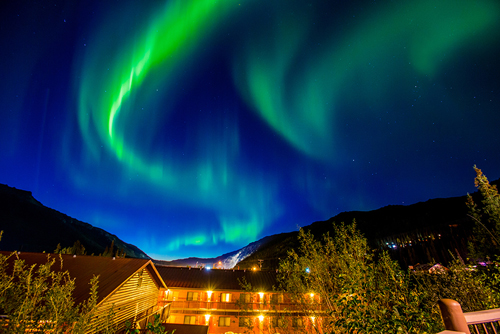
(308, 270)
(209, 295)
(261, 318)
(207, 318)
(254, 268)
(313, 319)
(261, 296)
(208, 268)
(312, 295)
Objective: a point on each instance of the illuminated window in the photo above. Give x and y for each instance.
(245, 322)
(245, 298)
(190, 319)
(192, 296)
(225, 297)
(297, 322)
(224, 321)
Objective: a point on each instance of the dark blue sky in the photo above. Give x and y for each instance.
(191, 128)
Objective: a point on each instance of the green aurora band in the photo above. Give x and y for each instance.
(294, 88)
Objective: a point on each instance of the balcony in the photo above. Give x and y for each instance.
(233, 306)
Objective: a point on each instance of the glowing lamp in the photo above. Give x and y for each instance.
(261, 318)
(209, 295)
(207, 318)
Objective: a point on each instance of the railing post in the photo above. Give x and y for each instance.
(452, 315)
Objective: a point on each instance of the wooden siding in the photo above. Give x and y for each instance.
(128, 301)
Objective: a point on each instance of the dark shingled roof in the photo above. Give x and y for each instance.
(186, 329)
(216, 279)
(112, 273)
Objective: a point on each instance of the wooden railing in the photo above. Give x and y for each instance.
(480, 322)
(232, 306)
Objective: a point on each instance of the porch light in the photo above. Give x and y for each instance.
(261, 297)
(207, 318)
(209, 295)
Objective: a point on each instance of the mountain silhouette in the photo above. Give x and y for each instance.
(30, 226)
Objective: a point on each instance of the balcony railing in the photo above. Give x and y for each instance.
(237, 306)
(480, 322)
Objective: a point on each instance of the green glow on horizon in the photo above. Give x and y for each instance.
(294, 89)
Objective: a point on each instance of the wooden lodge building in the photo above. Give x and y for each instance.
(230, 301)
(189, 300)
(130, 286)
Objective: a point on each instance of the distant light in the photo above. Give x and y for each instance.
(308, 270)
(312, 295)
(254, 268)
(208, 268)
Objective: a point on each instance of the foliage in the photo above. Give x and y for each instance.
(39, 298)
(110, 252)
(151, 328)
(156, 326)
(357, 290)
(76, 249)
(486, 214)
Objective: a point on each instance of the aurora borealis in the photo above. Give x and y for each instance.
(194, 127)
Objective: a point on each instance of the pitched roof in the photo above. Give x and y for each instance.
(112, 272)
(216, 279)
(186, 329)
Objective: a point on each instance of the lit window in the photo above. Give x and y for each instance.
(224, 321)
(245, 322)
(190, 319)
(192, 296)
(225, 297)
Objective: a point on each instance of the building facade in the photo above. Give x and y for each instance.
(231, 301)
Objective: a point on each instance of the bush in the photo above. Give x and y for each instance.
(361, 291)
(37, 298)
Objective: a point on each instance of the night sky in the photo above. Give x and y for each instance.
(194, 127)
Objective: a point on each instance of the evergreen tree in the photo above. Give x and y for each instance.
(486, 214)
